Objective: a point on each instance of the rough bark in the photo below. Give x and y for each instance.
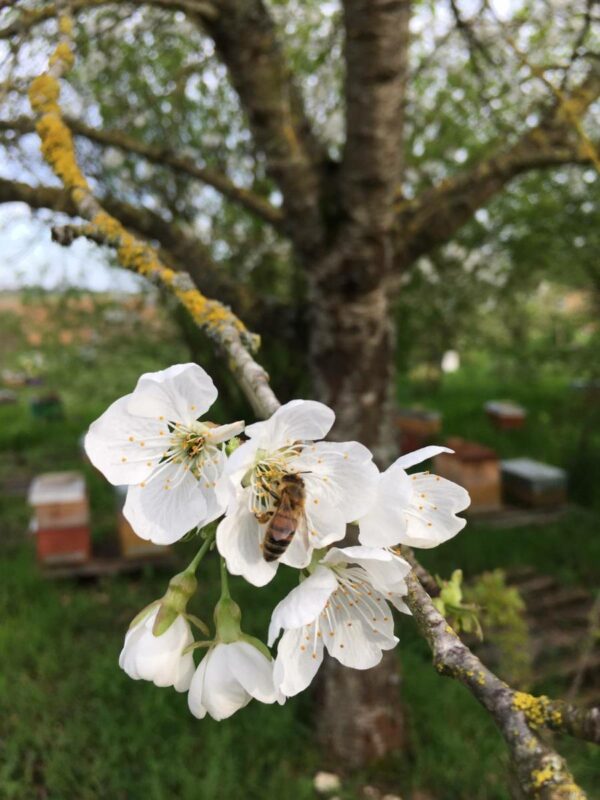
(351, 350)
(360, 718)
(352, 341)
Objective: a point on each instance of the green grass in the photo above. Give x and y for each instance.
(73, 726)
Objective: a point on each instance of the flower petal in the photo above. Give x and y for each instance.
(355, 646)
(326, 522)
(124, 447)
(181, 393)
(196, 691)
(253, 670)
(238, 541)
(304, 603)
(431, 518)
(158, 659)
(222, 693)
(417, 456)
(340, 473)
(166, 507)
(385, 522)
(417, 510)
(298, 420)
(386, 570)
(241, 460)
(299, 656)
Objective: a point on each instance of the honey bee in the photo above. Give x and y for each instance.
(286, 519)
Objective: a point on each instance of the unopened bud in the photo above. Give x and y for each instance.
(227, 620)
(181, 588)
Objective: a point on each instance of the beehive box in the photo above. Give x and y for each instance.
(505, 415)
(130, 544)
(477, 468)
(57, 546)
(61, 517)
(533, 484)
(59, 500)
(417, 427)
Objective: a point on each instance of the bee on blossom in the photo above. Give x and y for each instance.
(287, 494)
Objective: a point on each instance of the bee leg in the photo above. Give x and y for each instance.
(264, 517)
(273, 494)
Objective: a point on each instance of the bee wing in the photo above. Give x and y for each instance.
(297, 554)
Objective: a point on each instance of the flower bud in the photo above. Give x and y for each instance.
(181, 588)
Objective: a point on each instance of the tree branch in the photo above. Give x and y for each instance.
(162, 156)
(246, 41)
(436, 215)
(29, 18)
(542, 773)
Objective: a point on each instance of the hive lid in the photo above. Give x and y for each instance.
(419, 413)
(505, 408)
(57, 487)
(532, 470)
(465, 450)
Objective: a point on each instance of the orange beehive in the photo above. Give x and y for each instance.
(61, 517)
(417, 427)
(63, 545)
(475, 467)
(130, 544)
(505, 415)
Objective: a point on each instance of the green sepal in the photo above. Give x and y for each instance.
(202, 626)
(164, 619)
(317, 556)
(227, 620)
(143, 614)
(232, 445)
(260, 646)
(195, 646)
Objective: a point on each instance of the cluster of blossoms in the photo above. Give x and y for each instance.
(283, 496)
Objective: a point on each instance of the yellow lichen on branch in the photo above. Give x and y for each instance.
(134, 254)
(57, 143)
(538, 710)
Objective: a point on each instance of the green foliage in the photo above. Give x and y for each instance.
(501, 611)
(462, 616)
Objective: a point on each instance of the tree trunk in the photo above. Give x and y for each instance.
(352, 346)
(352, 356)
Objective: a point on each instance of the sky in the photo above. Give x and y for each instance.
(28, 257)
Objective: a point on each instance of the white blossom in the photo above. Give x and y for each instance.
(153, 441)
(417, 510)
(228, 677)
(341, 607)
(339, 482)
(159, 659)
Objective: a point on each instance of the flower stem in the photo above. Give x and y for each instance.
(224, 581)
(193, 565)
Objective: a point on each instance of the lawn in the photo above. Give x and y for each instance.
(72, 725)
